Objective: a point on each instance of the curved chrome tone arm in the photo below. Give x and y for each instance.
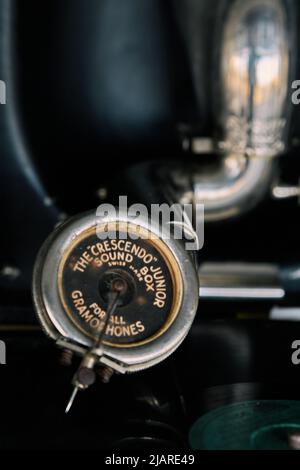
(236, 187)
(255, 70)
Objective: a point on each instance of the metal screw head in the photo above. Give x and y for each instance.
(66, 357)
(119, 285)
(105, 373)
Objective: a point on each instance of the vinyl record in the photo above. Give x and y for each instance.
(251, 425)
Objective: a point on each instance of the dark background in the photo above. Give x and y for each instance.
(94, 87)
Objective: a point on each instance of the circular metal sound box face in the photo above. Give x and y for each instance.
(71, 282)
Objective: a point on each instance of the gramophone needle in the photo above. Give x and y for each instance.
(72, 398)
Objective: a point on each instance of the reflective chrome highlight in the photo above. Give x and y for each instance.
(245, 293)
(255, 78)
(238, 281)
